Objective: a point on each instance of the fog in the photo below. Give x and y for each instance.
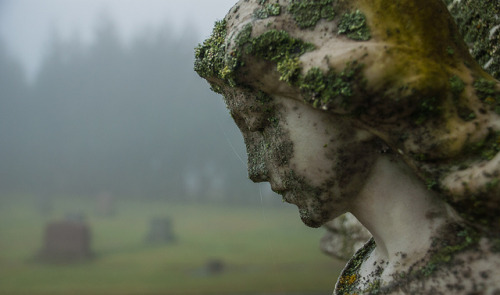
(121, 172)
(121, 115)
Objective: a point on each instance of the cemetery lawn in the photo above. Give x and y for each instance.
(265, 250)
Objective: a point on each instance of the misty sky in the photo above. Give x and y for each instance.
(25, 25)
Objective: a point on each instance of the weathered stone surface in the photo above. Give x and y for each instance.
(105, 204)
(66, 241)
(375, 108)
(161, 231)
(479, 24)
(344, 236)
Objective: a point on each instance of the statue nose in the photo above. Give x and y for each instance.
(256, 151)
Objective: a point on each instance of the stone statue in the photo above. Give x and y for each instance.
(378, 109)
(344, 236)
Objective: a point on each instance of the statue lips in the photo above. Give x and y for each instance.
(288, 197)
(282, 192)
(278, 190)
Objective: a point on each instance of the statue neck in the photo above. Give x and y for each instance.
(399, 211)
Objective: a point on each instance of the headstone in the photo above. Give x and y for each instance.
(106, 205)
(160, 231)
(66, 241)
(214, 266)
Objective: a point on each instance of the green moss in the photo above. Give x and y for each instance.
(307, 13)
(244, 36)
(465, 239)
(267, 10)
(263, 98)
(490, 152)
(277, 46)
(354, 26)
(212, 60)
(373, 288)
(431, 184)
(320, 89)
(428, 108)
(314, 82)
(492, 184)
(457, 86)
(210, 56)
(485, 90)
(289, 70)
(323, 89)
(476, 20)
(450, 51)
(466, 114)
(487, 148)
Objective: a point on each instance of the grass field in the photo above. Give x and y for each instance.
(265, 251)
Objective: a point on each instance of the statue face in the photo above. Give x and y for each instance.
(313, 159)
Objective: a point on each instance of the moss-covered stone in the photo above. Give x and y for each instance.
(486, 91)
(428, 108)
(422, 88)
(457, 86)
(465, 238)
(213, 61)
(277, 46)
(353, 25)
(487, 148)
(289, 70)
(244, 36)
(479, 24)
(210, 57)
(323, 89)
(268, 10)
(307, 13)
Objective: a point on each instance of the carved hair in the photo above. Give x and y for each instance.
(398, 69)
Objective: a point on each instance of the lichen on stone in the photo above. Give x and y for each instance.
(486, 91)
(484, 88)
(351, 272)
(457, 86)
(307, 13)
(268, 10)
(210, 57)
(479, 24)
(276, 46)
(428, 108)
(465, 239)
(324, 89)
(289, 70)
(354, 26)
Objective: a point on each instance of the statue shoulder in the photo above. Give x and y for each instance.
(348, 282)
(474, 270)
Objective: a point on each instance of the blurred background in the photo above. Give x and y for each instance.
(121, 173)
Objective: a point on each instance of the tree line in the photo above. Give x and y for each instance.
(130, 118)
